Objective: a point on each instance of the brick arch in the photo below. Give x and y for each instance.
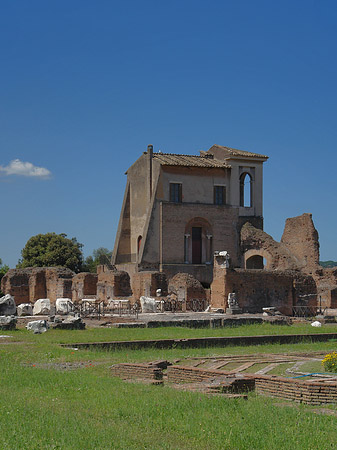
(198, 222)
(259, 252)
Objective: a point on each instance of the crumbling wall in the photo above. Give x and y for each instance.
(256, 242)
(146, 283)
(256, 289)
(29, 284)
(326, 280)
(58, 283)
(84, 285)
(186, 286)
(37, 284)
(112, 284)
(16, 283)
(301, 239)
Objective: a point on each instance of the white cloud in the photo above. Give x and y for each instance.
(26, 169)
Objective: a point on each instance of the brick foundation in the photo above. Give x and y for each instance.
(308, 392)
(128, 371)
(300, 391)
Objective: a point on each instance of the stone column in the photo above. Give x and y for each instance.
(186, 248)
(209, 249)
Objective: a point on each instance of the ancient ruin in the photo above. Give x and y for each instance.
(211, 375)
(191, 232)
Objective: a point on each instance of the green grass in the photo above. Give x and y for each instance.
(46, 408)
(121, 334)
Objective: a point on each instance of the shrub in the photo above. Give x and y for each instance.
(330, 362)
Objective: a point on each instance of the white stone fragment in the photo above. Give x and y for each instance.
(7, 305)
(41, 306)
(64, 306)
(148, 304)
(25, 309)
(38, 326)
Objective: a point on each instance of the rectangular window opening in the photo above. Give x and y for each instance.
(220, 195)
(176, 192)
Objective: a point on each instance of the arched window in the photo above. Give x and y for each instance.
(255, 262)
(139, 242)
(246, 190)
(257, 259)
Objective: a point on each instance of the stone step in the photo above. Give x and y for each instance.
(267, 369)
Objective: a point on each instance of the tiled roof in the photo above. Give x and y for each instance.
(170, 159)
(236, 152)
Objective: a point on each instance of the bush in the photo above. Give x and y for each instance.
(330, 362)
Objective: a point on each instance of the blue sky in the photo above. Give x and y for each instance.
(85, 86)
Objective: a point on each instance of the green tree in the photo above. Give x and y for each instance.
(99, 256)
(51, 249)
(328, 264)
(3, 270)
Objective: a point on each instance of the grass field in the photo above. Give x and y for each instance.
(44, 405)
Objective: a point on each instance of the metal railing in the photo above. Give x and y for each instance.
(307, 311)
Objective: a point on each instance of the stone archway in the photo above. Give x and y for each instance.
(254, 259)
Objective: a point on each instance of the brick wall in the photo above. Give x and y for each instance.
(221, 219)
(186, 288)
(129, 371)
(112, 284)
(309, 392)
(30, 284)
(16, 283)
(84, 285)
(147, 283)
(254, 289)
(301, 238)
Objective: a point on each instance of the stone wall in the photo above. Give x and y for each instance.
(84, 285)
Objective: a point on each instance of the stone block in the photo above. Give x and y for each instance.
(7, 323)
(25, 309)
(38, 326)
(41, 307)
(7, 305)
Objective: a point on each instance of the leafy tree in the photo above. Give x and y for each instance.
(3, 270)
(328, 264)
(51, 249)
(99, 256)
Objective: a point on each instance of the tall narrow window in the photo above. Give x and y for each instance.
(175, 192)
(196, 245)
(219, 195)
(246, 190)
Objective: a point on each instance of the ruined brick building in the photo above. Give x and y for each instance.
(179, 209)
